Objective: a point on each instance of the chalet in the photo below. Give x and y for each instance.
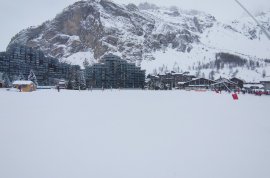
(24, 86)
(224, 84)
(166, 80)
(179, 78)
(252, 87)
(238, 81)
(197, 83)
(153, 82)
(266, 84)
(1, 80)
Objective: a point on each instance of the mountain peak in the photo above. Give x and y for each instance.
(91, 28)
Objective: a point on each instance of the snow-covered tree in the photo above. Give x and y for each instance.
(155, 72)
(6, 79)
(198, 74)
(79, 83)
(70, 85)
(86, 63)
(203, 75)
(211, 75)
(176, 67)
(82, 81)
(264, 73)
(32, 77)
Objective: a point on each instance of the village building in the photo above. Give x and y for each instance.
(197, 83)
(253, 87)
(239, 82)
(18, 60)
(24, 86)
(266, 84)
(114, 72)
(168, 80)
(224, 84)
(153, 82)
(179, 78)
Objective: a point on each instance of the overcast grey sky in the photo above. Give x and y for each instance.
(16, 15)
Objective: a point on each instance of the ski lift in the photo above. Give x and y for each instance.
(234, 95)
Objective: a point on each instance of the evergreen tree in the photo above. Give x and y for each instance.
(203, 75)
(82, 81)
(198, 74)
(79, 82)
(76, 83)
(70, 85)
(155, 72)
(211, 75)
(264, 73)
(32, 77)
(86, 63)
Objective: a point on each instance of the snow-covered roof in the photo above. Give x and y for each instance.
(198, 85)
(238, 79)
(62, 83)
(253, 85)
(181, 83)
(224, 80)
(22, 82)
(177, 73)
(194, 79)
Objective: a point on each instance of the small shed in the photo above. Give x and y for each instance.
(24, 86)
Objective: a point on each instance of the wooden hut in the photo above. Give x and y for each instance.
(24, 86)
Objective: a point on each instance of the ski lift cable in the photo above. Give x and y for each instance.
(258, 23)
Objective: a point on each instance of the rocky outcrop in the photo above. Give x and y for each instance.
(103, 26)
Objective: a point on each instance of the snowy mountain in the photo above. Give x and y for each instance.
(157, 38)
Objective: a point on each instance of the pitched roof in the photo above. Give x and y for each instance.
(22, 82)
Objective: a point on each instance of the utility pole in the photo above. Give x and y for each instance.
(258, 23)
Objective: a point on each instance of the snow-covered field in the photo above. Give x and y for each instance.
(133, 134)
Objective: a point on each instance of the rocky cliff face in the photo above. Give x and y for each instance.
(90, 29)
(102, 26)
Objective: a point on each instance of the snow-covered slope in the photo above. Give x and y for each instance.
(133, 134)
(152, 36)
